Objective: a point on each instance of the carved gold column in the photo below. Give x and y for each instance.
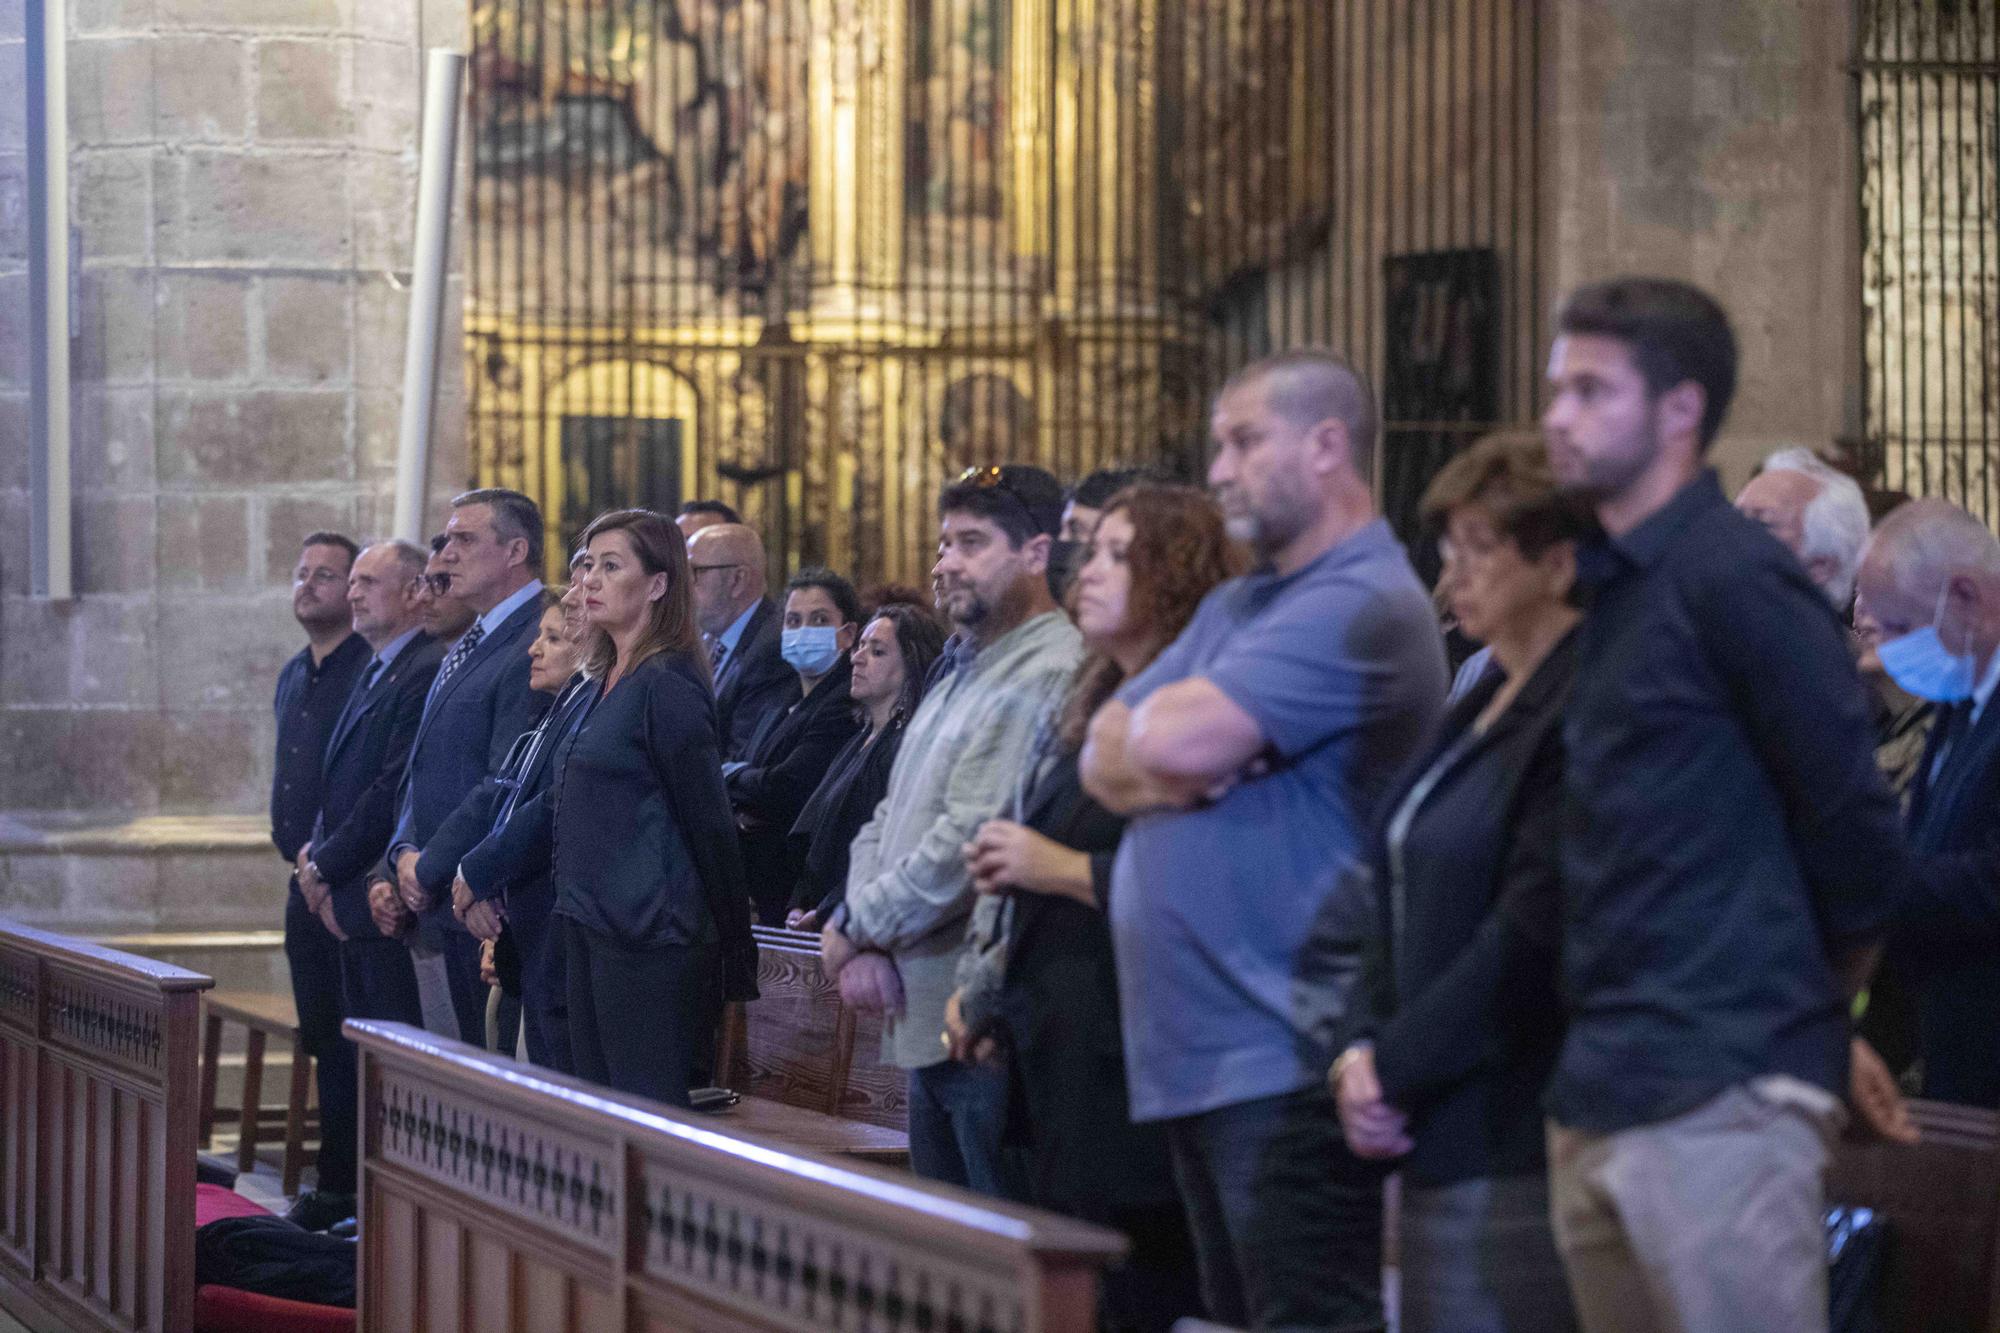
(856, 187)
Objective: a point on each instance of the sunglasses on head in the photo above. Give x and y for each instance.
(992, 476)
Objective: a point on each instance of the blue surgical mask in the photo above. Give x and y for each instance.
(1923, 666)
(811, 650)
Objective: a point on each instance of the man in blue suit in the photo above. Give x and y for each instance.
(361, 767)
(1929, 605)
(478, 705)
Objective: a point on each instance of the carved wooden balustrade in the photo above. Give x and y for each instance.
(497, 1197)
(98, 1070)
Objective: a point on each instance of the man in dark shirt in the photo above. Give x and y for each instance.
(312, 690)
(1730, 854)
(313, 685)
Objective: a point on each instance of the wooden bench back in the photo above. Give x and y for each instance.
(799, 1045)
(497, 1197)
(98, 1072)
(1941, 1198)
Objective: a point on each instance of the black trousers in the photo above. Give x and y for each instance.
(544, 978)
(642, 1020)
(468, 992)
(1287, 1222)
(378, 980)
(314, 956)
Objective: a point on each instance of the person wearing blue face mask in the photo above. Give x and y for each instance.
(791, 751)
(1929, 609)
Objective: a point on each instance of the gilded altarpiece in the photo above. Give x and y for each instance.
(814, 257)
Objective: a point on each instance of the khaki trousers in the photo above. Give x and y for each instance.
(1711, 1222)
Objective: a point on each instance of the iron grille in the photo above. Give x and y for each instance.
(1928, 85)
(820, 255)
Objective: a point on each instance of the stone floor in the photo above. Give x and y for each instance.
(264, 1184)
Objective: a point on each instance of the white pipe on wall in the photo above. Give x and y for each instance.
(49, 309)
(444, 78)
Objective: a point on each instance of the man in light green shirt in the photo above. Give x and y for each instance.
(908, 891)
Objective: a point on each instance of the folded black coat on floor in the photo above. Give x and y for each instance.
(273, 1257)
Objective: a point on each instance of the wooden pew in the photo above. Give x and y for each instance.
(1941, 1199)
(809, 1068)
(497, 1197)
(98, 1073)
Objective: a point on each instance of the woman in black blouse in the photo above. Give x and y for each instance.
(888, 668)
(1042, 981)
(1460, 1020)
(649, 886)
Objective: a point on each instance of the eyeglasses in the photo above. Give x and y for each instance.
(439, 584)
(703, 569)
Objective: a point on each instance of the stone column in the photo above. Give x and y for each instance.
(1713, 140)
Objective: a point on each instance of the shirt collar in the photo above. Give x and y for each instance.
(493, 619)
(394, 648)
(730, 637)
(1647, 543)
(1366, 540)
(974, 658)
(1983, 691)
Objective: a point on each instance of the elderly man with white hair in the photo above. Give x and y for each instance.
(1817, 511)
(1929, 605)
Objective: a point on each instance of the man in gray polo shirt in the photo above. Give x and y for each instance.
(1251, 755)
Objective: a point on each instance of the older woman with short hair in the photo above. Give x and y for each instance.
(1461, 1021)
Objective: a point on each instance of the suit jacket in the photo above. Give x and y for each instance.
(1458, 985)
(1945, 948)
(465, 734)
(509, 854)
(783, 767)
(755, 681)
(360, 774)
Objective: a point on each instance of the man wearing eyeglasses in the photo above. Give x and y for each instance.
(741, 627)
(446, 615)
(312, 690)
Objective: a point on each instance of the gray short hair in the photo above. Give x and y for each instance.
(1835, 524)
(514, 515)
(412, 557)
(1923, 541)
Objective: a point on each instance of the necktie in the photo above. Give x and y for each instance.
(718, 653)
(1956, 721)
(459, 652)
(355, 699)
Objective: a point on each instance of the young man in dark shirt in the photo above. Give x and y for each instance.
(1730, 854)
(312, 689)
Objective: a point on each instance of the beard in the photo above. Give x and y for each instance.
(1269, 529)
(1600, 476)
(964, 604)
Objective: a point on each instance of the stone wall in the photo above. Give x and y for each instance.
(1714, 140)
(243, 184)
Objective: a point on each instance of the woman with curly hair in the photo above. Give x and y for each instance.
(1039, 980)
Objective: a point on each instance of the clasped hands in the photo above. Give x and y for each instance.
(868, 979)
(317, 892)
(1373, 1128)
(480, 916)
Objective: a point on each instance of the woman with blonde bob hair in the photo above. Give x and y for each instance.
(649, 885)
